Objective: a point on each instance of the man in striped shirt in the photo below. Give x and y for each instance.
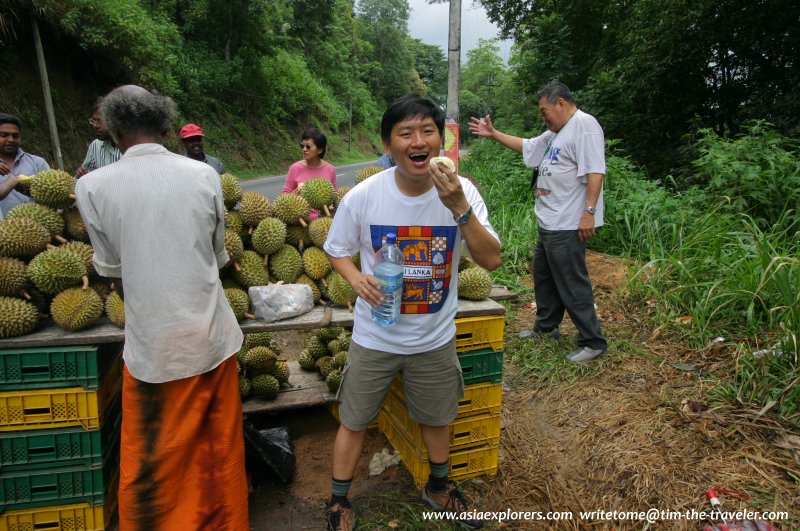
(102, 151)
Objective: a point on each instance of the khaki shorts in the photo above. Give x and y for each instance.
(432, 383)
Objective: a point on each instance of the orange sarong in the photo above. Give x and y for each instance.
(182, 454)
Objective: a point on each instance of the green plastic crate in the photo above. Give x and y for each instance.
(35, 449)
(19, 490)
(479, 366)
(42, 368)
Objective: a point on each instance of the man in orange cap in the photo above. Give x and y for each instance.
(192, 138)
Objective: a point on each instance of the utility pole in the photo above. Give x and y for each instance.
(453, 61)
(48, 100)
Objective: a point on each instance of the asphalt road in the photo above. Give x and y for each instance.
(273, 185)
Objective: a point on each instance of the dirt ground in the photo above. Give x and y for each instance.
(632, 433)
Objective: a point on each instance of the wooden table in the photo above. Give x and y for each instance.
(305, 388)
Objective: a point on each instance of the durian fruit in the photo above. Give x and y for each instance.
(286, 264)
(339, 359)
(325, 366)
(84, 251)
(234, 246)
(281, 372)
(328, 333)
(12, 277)
(445, 163)
(334, 380)
(340, 193)
(364, 173)
(245, 387)
(17, 317)
(54, 188)
(259, 339)
(315, 292)
(239, 301)
(339, 290)
(76, 309)
(251, 270)
(307, 361)
(297, 236)
(319, 193)
(259, 360)
(233, 221)
(269, 236)
(315, 263)
(316, 347)
(265, 386)
(318, 230)
(115, 309)
(48, 217)
(253, 207)
(103, 286)
(291, 208)
(357, 260)
(344, 341)
(334, 346)
(57, 269)
(73, 223)
(231, 190)
(474, 283)
(22, 237)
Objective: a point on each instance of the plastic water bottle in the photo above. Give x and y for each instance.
(389, 262)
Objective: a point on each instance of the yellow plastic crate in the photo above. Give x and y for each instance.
(464, 464)
(478, 399)
(35, 409)
(465, 432)
(476, 333)
(72, 517)
(334, 409)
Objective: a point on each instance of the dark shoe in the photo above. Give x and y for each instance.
(340, 518)
(584, 355)
(555, 333)
(451, 501)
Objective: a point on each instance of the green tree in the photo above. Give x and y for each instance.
(431, 65)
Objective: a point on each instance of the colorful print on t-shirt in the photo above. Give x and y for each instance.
(428, 255)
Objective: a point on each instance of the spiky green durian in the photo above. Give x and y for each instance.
(251, 270)
(364, 173)
(22, 237)
(474, 283)
(233, 221)
(305, 279)
(307, 361)
(259, 339)
(333, 380)
(75, 309)
(48, 217)
(297, 236)
(318, 192)
(286, 263)
(339, 290)
(239, 302)
(231, 189)
(269, 236)
(339, 359)
(115, 309)
(17, 317)
(315, 263)
(318, 230)
(324, 366)
(245, 387)
(340, 193)
(73, 223)
(281, 372)
(291, 208)
(334, 346)
(55, 270)
(82, 250)
(260, 360)
(344, 341)
(316, 347)
(328, 333)
(54, 188)
(12, 277)
(234, 245)
(266, 386)
(253, 207)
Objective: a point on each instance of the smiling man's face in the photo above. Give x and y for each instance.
(412, 144)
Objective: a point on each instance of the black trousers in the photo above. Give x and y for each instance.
(561, 282)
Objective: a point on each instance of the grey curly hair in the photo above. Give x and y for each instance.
(132, 109)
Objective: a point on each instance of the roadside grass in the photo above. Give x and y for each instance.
(397, 509)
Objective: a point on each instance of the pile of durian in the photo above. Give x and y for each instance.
(261, 370)
(326, 352)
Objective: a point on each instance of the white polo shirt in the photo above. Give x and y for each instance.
(156, 220)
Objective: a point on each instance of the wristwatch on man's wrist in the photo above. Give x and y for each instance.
(591, 210)
(463, 218)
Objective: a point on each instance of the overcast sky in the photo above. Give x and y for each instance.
(429, 23)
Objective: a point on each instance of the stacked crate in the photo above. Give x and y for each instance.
(475, 433)
(60, 415)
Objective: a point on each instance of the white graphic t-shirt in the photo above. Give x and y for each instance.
(431, 243)
(564, 159)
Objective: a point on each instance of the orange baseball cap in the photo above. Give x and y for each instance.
(190, 130)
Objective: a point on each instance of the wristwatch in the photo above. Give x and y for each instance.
(591, 210)
(463, 218)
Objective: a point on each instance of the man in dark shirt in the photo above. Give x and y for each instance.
(192, 138)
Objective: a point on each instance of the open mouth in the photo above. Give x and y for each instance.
(419, 157)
